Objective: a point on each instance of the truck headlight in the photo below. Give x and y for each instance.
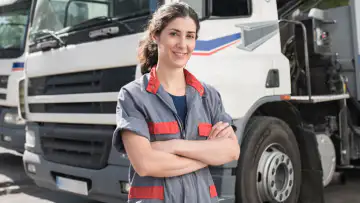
(13, 118)
(21, 104)
(124, 187)
(29, 138)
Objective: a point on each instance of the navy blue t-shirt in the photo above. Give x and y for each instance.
(180, 105)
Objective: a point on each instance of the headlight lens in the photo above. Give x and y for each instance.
(29, 138)
(13, 118)
(21, 105)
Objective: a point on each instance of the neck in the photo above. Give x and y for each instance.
(172, 79)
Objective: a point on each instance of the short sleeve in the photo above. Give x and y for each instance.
(128, 117)
(218, 111)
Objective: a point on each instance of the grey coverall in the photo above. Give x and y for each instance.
(145, 108)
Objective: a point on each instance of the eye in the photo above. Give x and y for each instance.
(173, 33)
(190, 36)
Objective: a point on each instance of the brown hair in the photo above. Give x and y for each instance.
(148, 53)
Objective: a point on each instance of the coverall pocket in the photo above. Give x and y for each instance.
(162, 131)
(204, 130)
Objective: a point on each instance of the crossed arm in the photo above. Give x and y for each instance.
(178, 157)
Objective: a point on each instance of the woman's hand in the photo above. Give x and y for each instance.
(221, 129)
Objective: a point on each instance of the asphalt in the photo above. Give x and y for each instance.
(16, 187)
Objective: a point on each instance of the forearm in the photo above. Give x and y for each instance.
(212, 152)
(163, 164)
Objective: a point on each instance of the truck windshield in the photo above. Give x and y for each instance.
(13, 24)
(57, 15)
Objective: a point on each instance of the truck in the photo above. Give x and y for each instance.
(286, 70)
(14, 20)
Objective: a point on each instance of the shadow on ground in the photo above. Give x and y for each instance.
(344, 190)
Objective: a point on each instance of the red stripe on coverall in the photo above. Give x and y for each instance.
(213, 192)
(164, 127)
(149, 192)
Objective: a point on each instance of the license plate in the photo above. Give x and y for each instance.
(71, 185)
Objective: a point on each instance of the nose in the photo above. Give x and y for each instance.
(182, 42)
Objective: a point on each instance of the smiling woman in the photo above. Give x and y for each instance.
(160, 35)
(171, 125)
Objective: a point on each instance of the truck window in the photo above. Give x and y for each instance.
(59, 15)
(128, 8)
(198, 6)
(12, 30)
(229, 8)
(13, 25)
(79, 12)
(54, 15)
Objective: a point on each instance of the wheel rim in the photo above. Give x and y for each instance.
(275, 175)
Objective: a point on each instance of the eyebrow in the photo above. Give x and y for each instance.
(191, 32)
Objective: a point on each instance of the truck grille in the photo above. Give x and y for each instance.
(3, 84)
(4, 81)
(85, 146)
(81, 107)
(2, 96)
(95, 81)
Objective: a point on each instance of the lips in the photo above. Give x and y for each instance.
(180, 54)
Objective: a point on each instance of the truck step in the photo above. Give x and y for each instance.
(319, 98)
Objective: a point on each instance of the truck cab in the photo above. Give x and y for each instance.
(14, 20)
(80, 54)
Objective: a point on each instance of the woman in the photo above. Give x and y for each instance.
(171, 125)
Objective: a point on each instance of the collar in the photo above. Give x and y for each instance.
(154, 83)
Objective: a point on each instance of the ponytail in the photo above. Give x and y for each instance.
(148, 54)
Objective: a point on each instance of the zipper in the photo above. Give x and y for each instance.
(188, 111)
(182, 131)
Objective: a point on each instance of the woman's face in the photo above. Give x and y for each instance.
(177, 42)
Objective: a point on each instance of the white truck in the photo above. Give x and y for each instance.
(287, 73)
(14, 19)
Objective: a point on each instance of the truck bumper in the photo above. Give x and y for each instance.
(102, 185)
(12, 136)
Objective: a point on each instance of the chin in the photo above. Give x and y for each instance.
(179, 63)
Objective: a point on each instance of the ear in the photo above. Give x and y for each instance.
(155, 39)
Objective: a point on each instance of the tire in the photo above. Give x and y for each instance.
(260, 133)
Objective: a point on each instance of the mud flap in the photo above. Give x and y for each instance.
(312, 190)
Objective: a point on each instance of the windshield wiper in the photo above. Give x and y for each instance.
(44, 45)
(9, 48)
(13, 24)
(52, 33)
(102, 20)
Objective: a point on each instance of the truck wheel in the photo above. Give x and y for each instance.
(269, 168)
